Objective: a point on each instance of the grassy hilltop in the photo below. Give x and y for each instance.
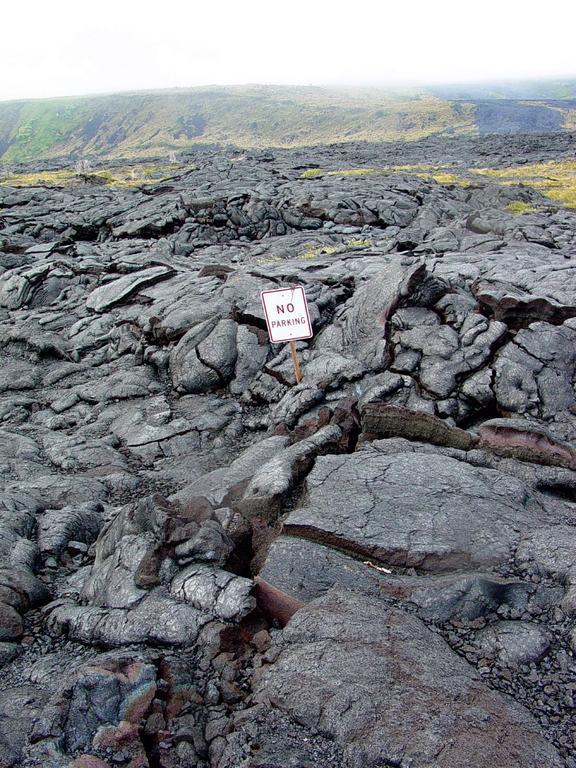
(155, 123)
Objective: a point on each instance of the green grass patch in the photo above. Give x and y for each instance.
(443, 177)
(314, 173)
(313, 250)
(518, 206)
(431, 172)
(353, 172)
(358, 243)
(124, 176)
(555, 179)
(39, 179)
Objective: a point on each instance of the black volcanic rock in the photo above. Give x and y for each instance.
(435, 512)
(203, 562)
(369, 677)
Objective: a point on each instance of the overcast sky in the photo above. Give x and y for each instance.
(65, 47)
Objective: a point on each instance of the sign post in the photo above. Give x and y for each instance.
(287, 319)
(296, 362)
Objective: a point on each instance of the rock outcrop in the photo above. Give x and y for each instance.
(204, 563)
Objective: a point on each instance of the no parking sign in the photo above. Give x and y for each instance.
(287, 315)
(287, 319)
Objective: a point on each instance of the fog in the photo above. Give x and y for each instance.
(64, 47)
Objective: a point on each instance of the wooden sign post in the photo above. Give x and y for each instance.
(287, 319)
(296, 362)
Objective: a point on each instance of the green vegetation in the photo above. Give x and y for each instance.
(39, 179)
(43, 127)
(353, 172)
(518, 206)
(421, 171)
(157, 123)
(358, 243)
(438, 174)
(154, 124)
(122, 176)
(443, 177)
(314, 173)
(313, 250)
(568, 115)
(555, 179)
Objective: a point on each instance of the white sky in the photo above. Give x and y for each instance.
(65, 47)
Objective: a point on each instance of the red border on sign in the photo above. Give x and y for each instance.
(294, 338)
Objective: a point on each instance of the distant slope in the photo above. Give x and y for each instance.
(156, 123)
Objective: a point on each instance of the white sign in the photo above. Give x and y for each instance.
(287, 315)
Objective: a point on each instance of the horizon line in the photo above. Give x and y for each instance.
(390, 86)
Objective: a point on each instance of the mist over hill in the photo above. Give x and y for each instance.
(156, 123)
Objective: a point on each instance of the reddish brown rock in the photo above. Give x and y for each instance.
(380, 420)
(276, 605)
(527, 442)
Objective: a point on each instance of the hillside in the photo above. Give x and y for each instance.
(148, 124)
